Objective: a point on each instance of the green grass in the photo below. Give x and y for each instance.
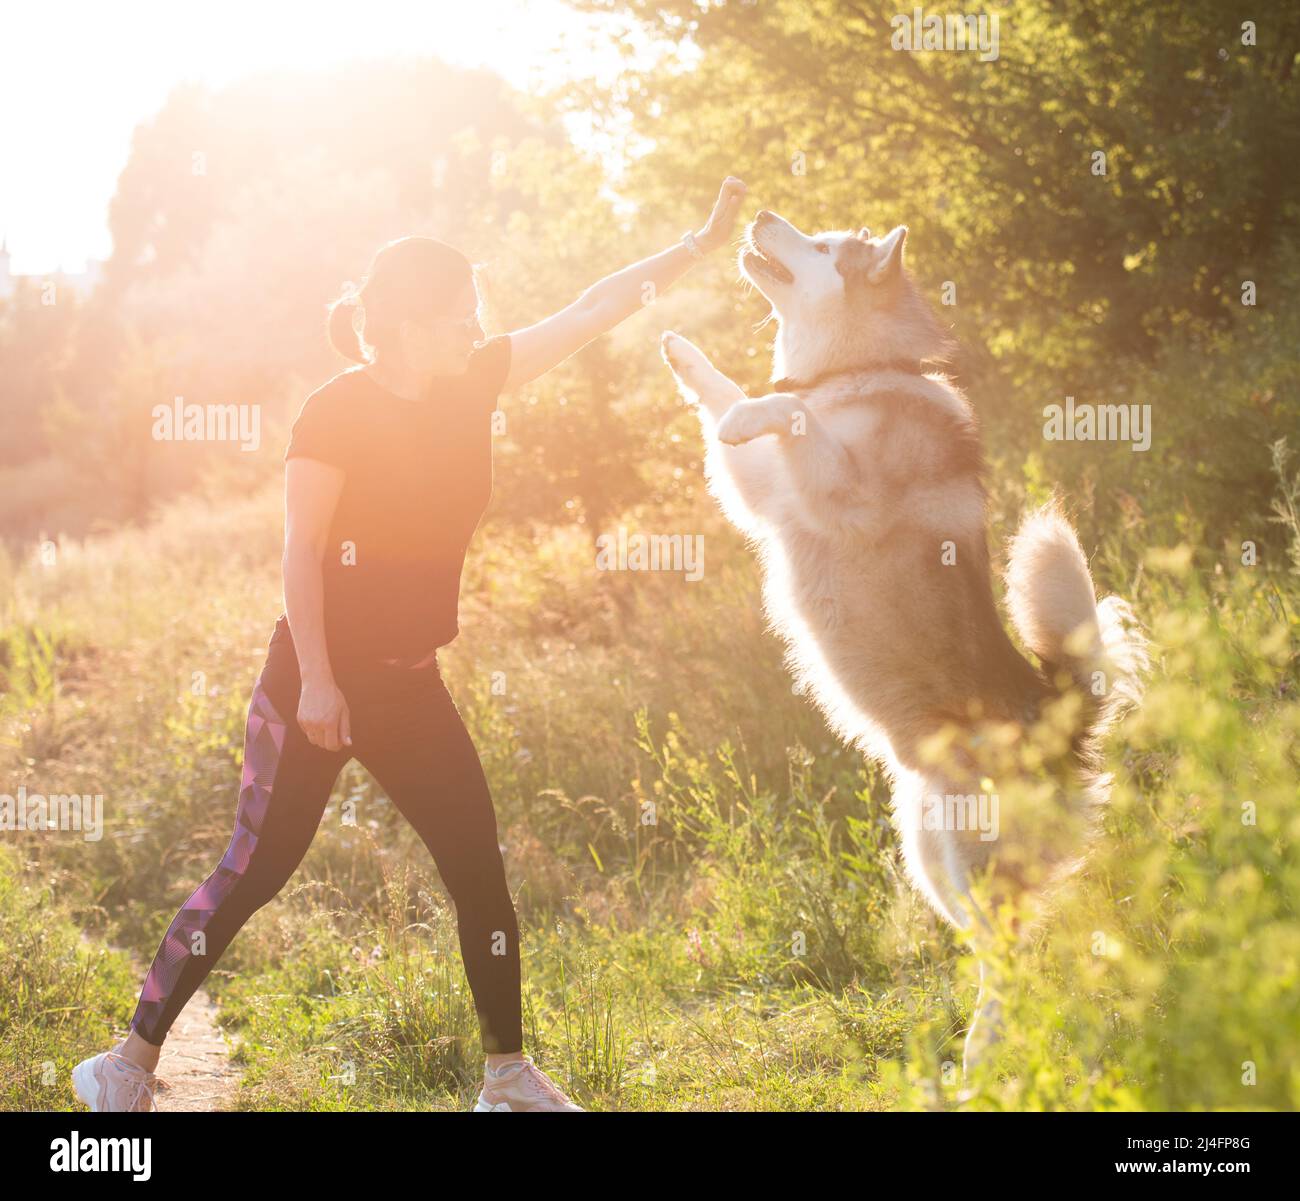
(58, 993)
(713, 911)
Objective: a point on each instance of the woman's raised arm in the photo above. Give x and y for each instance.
(535, 349)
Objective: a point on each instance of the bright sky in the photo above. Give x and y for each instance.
(78, 75)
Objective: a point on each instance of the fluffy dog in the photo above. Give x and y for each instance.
(858, 477)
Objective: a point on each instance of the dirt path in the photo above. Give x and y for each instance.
(195, 1062)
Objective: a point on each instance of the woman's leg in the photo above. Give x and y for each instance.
(417, 748)
(285, 786)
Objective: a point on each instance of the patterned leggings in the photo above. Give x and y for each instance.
(407, 733)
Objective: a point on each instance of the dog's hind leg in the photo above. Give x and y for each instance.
(941, 865)
(985, 1029)
(985, 1022)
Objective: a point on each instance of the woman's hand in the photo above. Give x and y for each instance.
(717, 230)
(323, 716)
(537, 348)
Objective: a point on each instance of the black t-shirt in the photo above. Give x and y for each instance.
(418, 476)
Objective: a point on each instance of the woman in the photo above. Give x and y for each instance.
(388, 471)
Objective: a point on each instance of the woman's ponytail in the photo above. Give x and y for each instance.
(342, 328)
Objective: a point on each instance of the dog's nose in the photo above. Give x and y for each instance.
(762, 216)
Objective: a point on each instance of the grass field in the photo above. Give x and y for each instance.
(755, 947)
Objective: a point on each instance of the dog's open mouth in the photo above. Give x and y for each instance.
(759, 263)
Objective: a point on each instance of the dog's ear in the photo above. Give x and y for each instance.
(863, 235)
(889, 255)
(853, 261)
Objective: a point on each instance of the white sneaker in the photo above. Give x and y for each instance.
(522, 1087)
(111, 1083)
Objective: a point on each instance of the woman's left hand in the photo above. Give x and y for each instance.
(717, 230)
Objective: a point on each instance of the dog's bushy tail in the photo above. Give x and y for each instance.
(1054, 608)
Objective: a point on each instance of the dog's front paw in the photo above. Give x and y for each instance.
(744, 422)
(685, 360)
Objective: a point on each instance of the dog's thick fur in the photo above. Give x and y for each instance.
(859, 479)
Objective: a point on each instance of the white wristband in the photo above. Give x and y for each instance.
(688, 240)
